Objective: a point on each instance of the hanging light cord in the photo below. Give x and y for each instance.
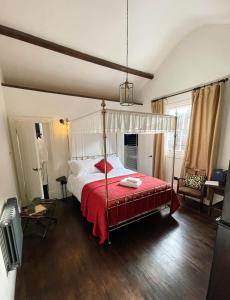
(127, 38)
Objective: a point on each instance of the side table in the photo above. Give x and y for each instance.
(63, 182)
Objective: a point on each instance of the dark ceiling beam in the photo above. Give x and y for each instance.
(61, 93)
(34, 40)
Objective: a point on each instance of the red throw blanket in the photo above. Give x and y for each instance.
(93, 204)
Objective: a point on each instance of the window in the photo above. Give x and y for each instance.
(183, 110)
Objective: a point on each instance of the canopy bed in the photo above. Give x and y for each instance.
(105, 201)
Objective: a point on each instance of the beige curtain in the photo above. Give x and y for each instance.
(204, 129)
(158, 144)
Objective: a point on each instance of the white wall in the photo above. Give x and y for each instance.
(22, 103)
(30, 103)
(202, 56)
(7, 189)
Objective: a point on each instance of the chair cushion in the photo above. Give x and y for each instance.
(190, 192)
(194, 181)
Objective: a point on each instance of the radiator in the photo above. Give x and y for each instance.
(11, 235)
(130, 157)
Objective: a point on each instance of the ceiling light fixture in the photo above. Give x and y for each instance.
(127, 88)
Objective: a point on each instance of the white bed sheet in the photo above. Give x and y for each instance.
(75, 183)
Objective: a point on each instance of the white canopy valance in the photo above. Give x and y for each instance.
(119, 121)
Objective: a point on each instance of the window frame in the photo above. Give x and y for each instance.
(174, 103)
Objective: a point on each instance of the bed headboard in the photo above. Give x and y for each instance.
(83, 146)
(92, 156)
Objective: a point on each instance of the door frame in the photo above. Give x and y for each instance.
(16, 151)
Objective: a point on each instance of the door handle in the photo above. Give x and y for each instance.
(218, 219)
(36, 169)
(150, 156)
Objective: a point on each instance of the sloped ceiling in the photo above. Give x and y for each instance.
(97, 28)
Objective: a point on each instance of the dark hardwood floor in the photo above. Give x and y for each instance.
(161, 257)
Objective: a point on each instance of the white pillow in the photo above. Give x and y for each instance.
(115, 162)
(75, 166)
(86, 166)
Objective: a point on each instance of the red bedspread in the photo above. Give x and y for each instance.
(93, 204)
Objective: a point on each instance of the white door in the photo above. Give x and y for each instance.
(28, 154)
(145, 154)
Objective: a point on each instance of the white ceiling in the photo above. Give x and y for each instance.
(97, 28)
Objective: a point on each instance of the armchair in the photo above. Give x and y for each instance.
(189, 191)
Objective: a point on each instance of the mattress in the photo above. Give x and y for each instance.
(75, 184)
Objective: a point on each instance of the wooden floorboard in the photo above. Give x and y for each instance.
(161, 257)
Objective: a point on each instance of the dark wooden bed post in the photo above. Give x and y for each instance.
(105, 167)
(173, 163)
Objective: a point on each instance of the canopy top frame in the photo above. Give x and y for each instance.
(121, 121)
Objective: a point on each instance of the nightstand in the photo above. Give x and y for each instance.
(63, 182)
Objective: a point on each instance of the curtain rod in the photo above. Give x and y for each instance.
(190, 89)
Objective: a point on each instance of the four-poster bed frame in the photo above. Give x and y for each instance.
(138, 196)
